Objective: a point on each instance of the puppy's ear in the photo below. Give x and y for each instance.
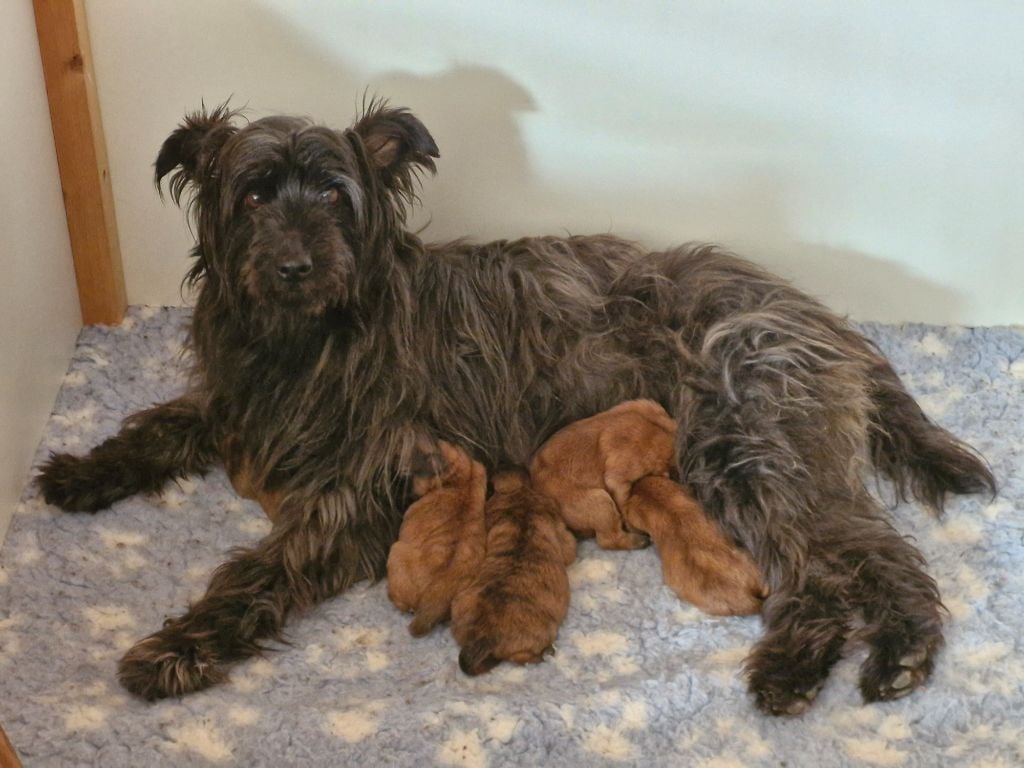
(193, 148)
(396, 142)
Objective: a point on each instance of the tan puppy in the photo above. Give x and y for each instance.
(595, 469)
(590, 467)
(513, 609)
(697, 561)
(441, 542)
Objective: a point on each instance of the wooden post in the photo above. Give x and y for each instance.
(82, 158)
(8, 757)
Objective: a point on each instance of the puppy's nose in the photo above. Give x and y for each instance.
(294, 270)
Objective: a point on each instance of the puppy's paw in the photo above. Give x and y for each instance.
(75, 484)
(897, 666)
(625, 540)
(168, 663)
(727, 600)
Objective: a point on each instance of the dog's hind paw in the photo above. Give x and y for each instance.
(785, 697)
(168, 663)
(785, 679)
(896, 668)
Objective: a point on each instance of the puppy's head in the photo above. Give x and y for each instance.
(289, 214)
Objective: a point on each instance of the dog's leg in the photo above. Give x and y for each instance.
(154, 446)
(772, 432)
(310, 555)
(807, 627)
(901, 607)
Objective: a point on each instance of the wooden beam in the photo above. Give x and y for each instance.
(8, 757)
(82, 158)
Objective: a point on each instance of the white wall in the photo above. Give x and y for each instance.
(39, 314)
(873, 151)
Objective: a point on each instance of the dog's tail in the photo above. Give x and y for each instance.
(921, 458)
(477, 656)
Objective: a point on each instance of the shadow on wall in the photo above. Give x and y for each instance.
(486, 186)
(485, 189)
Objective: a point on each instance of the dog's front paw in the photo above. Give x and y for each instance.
(76, 484)
(168, 663)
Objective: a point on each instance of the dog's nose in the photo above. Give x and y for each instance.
(294, 270)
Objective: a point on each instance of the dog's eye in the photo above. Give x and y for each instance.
(329, 196)
(255, 200)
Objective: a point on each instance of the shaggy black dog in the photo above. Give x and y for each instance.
(328, 340)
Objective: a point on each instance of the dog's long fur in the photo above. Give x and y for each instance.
(329, 381)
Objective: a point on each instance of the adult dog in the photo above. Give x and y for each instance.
(328, 340)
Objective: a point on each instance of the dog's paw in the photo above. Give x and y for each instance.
(784, 694)
(896, 667)
(168, 663)
(786, 684)
(75, 484)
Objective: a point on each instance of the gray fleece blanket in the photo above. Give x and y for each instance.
(638, 678)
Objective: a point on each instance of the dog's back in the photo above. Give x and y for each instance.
(520, 597)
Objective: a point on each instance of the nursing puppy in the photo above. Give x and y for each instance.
(697, 561)
(328, 339)
(590, 466)
(441, 542)
(595, 470)
(514, 607)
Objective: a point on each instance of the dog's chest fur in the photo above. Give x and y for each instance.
(493, 347)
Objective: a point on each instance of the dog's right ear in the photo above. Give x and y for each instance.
(193, 149)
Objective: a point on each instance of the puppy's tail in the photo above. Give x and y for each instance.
(921, 458)
(477, 656)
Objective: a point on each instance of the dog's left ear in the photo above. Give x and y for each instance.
(395, 141)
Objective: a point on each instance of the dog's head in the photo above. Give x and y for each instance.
(290, 214)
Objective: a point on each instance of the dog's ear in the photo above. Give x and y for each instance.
(396, 142)
(193, 148)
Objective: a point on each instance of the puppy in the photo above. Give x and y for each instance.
(590, 466)
(697, 561)
(613, 468)
(512, 610)
(441, 542)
